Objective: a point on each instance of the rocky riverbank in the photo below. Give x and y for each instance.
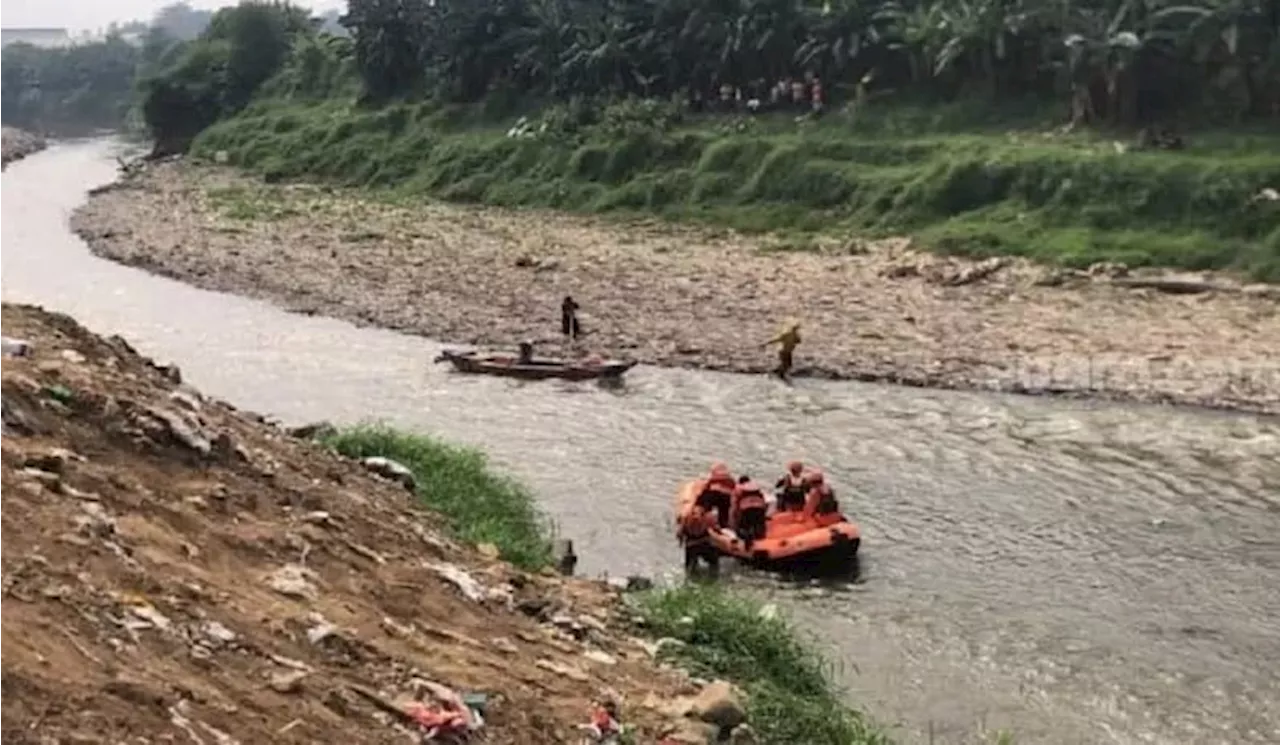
(176, 568)
(17, 143)
(670, 295)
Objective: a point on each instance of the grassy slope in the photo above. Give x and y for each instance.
(792, 699)
(1073, 200)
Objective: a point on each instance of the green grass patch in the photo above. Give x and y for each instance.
(977, 190)
(479, 505)
(791, 697)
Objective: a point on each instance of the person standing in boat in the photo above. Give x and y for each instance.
(717, 493)
(750, 507)
(792, 487)
(787, 342)
(820, 502)
(526, 353)
(569, 326)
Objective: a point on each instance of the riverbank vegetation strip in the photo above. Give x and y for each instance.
(791, 696)
(660, 109)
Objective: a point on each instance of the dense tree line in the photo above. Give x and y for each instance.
(69, 90)
(1113, 61)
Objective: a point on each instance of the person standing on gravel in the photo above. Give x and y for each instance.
(787, 342)
(569, 318)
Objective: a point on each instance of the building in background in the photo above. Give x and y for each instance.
(40, 37)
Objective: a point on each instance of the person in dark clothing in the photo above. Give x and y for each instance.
(695, 535)
(569, 318)
(717, 494)
(751, 508)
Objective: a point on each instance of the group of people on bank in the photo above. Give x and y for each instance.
(741, 505)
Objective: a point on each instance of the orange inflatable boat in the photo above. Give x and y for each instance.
(790, 536)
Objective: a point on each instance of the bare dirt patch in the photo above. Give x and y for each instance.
(697, 298)
(178, 571)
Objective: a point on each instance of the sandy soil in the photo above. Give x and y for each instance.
(694, 297)
(16, 143)
(149, 534)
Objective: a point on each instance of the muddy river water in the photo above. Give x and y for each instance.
(1077, 573)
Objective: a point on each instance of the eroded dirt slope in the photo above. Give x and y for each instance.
(178, 571)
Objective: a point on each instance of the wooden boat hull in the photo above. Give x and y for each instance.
(509, 366)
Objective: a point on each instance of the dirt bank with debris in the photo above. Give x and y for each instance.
(677, 296)
(17, 143)
(175, 570)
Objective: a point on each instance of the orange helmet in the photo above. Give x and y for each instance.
(720, 472)
(815, 477)
(795, 467)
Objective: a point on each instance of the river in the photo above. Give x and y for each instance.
(1075, 572)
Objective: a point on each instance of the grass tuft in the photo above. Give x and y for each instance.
(791, 699)
(480, 506)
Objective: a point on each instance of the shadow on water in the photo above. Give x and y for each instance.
(1027, 563)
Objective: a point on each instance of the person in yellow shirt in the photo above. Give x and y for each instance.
(787, 342)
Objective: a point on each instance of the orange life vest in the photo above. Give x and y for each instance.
(749, 496)
(696, 525)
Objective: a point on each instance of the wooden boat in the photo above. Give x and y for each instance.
(508, 365)
(790, 537)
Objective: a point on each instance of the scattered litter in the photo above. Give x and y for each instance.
(768, 612)
(320, 630)
(469, 586)
(16, 347)
(72, 356)
(488, 550)
(504, 645)
(293, 581)
(604, 726)
(146, 616)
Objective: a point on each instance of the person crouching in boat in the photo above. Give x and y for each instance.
(792, 488)
(820, 502)
(750, 507)
(717, 493)
(694, 533)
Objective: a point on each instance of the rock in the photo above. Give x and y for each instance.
(534, 607)
(768, 612)
(288, 682)
(1107, 269)
(488, 551)
(572, 673)
(603, 658)
(743, 734)
(72, 356)
(312, 431)
(95, 521)
(320, 630)
(293, 581)
(504, 645)
(182, 432)
(217, 633)
(690, 732)
(719, 704)
(392, 470)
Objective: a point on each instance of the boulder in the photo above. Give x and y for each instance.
(719, 704)
(390, 469)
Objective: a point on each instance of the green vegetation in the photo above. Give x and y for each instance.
(67, 91)
(791, 698)
(1072, 199)
(480, 506)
